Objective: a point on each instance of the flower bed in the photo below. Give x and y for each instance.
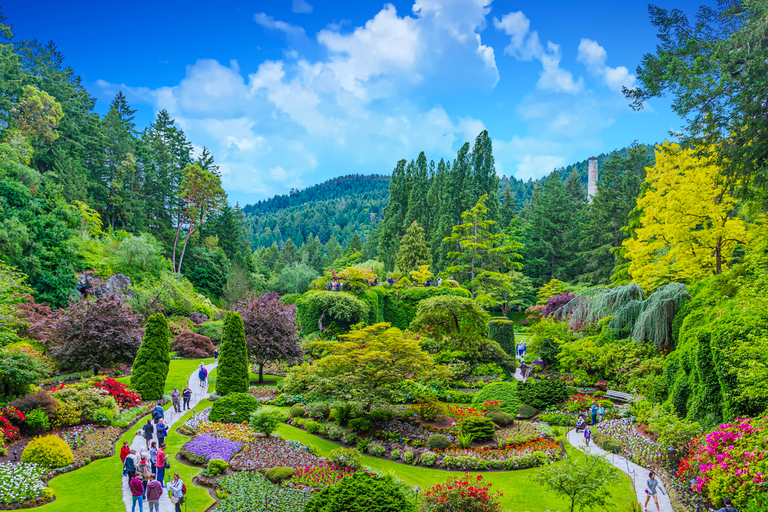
(21, 482)
(622, 432)
(264, 393)
(193, 422)
(89, 442)
(252, 491)
(231, 431)
(402, 431)
(266, 453)
(124, 397)
(206, 447)
(320, 476)
(528, 454)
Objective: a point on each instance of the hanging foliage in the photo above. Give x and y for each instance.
(598, 303)
(654, 323)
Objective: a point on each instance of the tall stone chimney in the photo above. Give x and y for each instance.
(592, 179)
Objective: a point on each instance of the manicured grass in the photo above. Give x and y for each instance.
(254, 377)
(178, 374)
(520, 494)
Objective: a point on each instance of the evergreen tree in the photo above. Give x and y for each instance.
(332, 251)
(414, 250)
(150, 368)
(508, 209)
(392, 228)
(311, 253)
(355, 244)
(418, 204)
(287, 255)
(574, 188)
(233, 372)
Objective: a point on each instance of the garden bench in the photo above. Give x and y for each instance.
(618, 395)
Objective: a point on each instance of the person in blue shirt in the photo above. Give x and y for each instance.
(158, 413)
(593, 410)
(728, 506)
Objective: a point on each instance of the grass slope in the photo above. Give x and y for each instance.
(520, 494)
(178, 374)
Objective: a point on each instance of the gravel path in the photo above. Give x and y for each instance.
(140, 445)
(637, 474)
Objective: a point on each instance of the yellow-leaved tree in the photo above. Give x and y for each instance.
(688, 224)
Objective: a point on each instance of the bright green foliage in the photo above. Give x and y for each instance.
(37, 115)
(217, 467)
(17, 371)
(279, 475)
(233, 357)
(49, 451)
(548, 337)
(346, 458)
(542, 394)
(597, 303)
(451, 316)
(502, 331)
(294, 278)
(526, 411)
(504, 392)
(502, 418)
(37, 421)
(140, 257)
(321, 310)
(551, 289)
(362, 492)
(481, 253)
(414, 251)
(170, 294)
(584, 482)
(297, 411)
(213, 329)
(400, 305)
(266, 419)
(234, 408)
(438, 442)
(479, 428)
(13, 290)
(150, 368)
(504, 290)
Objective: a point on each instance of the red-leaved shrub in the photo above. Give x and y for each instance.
(192, 345)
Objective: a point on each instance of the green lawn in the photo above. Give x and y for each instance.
(178, 374)
(520, 494)
(254, 377)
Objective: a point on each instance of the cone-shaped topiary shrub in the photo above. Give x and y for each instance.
(49, 451)
(150, 368)
(233, 357)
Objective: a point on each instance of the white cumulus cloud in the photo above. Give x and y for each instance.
(594, 58)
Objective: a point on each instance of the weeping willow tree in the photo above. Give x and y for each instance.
(651, 319)
(598, 303)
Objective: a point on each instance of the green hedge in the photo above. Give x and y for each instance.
(542, 394)
(504, 392)
(233, 371)
(341, 309)
(502, 331)
(400, 304)
(234, 408)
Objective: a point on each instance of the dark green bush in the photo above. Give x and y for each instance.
(319, 411)
(502, 331)
(481, 429)
(297, 411)
(542, 394)
(378, 415)
(438, 442)
(504, 392)
(362, 492)
(150, 368)
(526, 411)
(213, 330)
(345, 412)
(241, 404)
(362, 424)
(279, 475)
(501, 418)
(233, 369)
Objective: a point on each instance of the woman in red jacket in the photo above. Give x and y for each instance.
(124, 451)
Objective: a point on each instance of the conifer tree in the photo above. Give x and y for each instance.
(414, 250)
(418, 205)
(355, 244)
(150, 368)
(233, 357)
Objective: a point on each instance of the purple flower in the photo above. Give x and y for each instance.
(211, 447)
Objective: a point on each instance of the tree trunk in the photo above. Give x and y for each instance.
(261, 373)
(719, 256)
(320, 322)
(175, 243)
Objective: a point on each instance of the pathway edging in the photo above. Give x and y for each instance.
(637, 474)
(171, 417)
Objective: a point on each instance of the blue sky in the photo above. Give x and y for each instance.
(293, 92)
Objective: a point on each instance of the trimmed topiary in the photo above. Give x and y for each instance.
(502, 331)
(297, 411)
(501, 418)
(278, 475)
(234, 408)
(233, 358)
(481, 429)
(362, 492)
(438, 442)
(150, 368)
(319, 411)
(526, 411)
(504, 392)
(48, 451)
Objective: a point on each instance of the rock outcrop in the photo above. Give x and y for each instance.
(90, 284)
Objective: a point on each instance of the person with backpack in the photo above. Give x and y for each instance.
(177, 490)
(143, 472)
(202, 374)
(162, 432)
(186, 396)
(160, 463)
(149, 432)
(154, 492)
(130, 465)
(728, 506)
(158, 413)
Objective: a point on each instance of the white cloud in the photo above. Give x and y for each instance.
(301, 7)
(525, 45)
(594, 58)
(271, 23)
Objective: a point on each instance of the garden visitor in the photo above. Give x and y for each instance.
(523, 369)
(439, 281)
(328, 285)
(175, 395)
(428, 283)
(202, 373)
(600, 412)
(587, 435)
(728, 506)
(651, 485)
(149, 431)
(160, 464)
(137, 494)
(154, 491)
(593, 410)
(158, 413)
(186, 395)
(144, 472)
(130, 465)
(153, 456)
(390, 281)
(215, 354)
(162, 432)
(176, 491)
(124, 451)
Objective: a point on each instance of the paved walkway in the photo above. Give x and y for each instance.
(140, 445)
(637, 474)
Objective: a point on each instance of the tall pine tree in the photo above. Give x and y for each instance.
(233, 357)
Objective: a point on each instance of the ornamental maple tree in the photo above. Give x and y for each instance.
(95, 333)
(270, 330)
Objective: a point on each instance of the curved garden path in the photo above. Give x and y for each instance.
(637, 474)
(140, 445)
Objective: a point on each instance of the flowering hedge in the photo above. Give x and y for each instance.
(465, 493)
(207, 447)
(20, 482)
(729, 461)
(124, 397)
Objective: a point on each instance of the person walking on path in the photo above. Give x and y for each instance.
(143, 472)
(651, 489)
(175, 396)
(186, 395)
(137, 494)
(160, 465)
(176, 491)
(154, 492)
(593, 410)
(523, 369)
(202, 373)
(162, 432)
(215, 355)
(587, 435)
(149, 431)
(153, 457)
(125, 450)
(600, 412)
(728, 506)
(130, 465)
(158, 413)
